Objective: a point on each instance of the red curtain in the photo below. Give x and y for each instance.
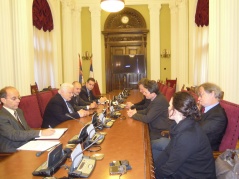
(202, 13)
(41, 15)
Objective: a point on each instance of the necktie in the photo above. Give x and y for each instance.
(70, 108)
(18, 119)
(76, 100)
(88, 94)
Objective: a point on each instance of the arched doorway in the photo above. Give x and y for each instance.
(125, 36)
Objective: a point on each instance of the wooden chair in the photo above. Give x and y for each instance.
(31, 110)
(169, 93)
(164, 89)
(43, 99)
(171, 83)
(54, 91)
(34, 88)
(230, 138)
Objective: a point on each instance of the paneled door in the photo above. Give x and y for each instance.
(125, 79)
(124, 38)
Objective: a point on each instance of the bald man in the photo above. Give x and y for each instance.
(59, 108)
(14, 130)
(77, 101)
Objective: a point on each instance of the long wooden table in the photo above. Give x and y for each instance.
(127, 139)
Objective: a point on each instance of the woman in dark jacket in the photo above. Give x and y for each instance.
(189, 153)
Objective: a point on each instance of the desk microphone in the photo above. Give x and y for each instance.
(99, 138)
(38, 154)
(68, 115)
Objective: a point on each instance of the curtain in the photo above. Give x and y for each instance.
(201, 43)
(43, 40)
(43, 58)
(201, 54)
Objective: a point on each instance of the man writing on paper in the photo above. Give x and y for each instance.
(14, 131)
(77, 101)
(59, 108)
(87, 95)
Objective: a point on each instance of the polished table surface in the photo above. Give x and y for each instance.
(127, 139)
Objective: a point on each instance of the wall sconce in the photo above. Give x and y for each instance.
(165, 54)
(87, 56)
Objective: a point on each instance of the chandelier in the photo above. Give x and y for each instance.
(112, 5)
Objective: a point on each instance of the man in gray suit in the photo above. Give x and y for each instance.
(14, 131)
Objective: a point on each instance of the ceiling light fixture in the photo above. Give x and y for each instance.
(112, 5)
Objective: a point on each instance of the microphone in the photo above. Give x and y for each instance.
(99, 138)
(68, 115)
(38, 154)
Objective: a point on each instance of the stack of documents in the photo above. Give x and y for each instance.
(45, 143)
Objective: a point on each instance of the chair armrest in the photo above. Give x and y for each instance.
(165, 133)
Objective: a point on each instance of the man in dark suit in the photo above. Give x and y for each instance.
(213, 119)
(77, 101)
(155, 115)
(14, 130)
(143, 104)
(87, 95)
(59, 108)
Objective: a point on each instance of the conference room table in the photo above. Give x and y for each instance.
(127, 139)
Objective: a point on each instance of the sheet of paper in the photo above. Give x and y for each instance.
(39, 145)
(58, 133)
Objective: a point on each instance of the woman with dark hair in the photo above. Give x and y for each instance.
(188, 154)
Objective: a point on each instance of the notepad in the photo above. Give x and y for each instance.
(58, 133)
(38, 145)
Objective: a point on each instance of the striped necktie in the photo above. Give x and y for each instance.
(18, 119)
(70, 108)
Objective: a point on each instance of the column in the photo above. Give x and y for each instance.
(77, 45)
(174, 42)
(182, 53)
(96, 43)
(154, 66)
(6, 46)
(23, 45)
(68, 59)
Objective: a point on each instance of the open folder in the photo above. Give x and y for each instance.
(58, 133)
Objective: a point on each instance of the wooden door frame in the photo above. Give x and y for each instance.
(118, 34)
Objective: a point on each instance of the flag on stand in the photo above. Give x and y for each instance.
(91, 69)
(81, 78)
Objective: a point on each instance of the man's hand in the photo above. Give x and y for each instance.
(83, 113)
(47, 132)
(93, 105)
(131, 112)
(128, 105)
(102, 100)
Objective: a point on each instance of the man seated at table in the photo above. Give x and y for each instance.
(141, 104)
(156, 114)
(14, 130)
(86, 92)
(213, 119)
(59, 108)
(77, 101)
